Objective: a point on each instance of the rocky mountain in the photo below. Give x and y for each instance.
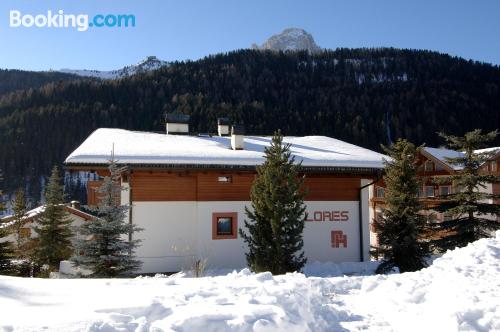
(291, 39)
(148, 64)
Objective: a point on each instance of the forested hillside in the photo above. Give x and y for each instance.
(12, 80)
(363, 96)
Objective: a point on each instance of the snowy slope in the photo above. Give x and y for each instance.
(132, 147)
(460, 291)
(148, 64)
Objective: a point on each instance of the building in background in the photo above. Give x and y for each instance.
(74, 213)
(433, 165)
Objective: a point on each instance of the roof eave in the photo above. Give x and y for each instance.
(306, 169)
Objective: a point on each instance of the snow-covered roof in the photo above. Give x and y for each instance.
(8, 221)
(495, 149)
(443, 154)
(132, 147)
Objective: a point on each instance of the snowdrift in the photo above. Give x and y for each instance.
(460, 291)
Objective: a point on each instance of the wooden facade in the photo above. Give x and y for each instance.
(158, 186)
(430, 169)
(92, 194)
(206, 186)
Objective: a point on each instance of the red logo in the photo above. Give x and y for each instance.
(339, 238)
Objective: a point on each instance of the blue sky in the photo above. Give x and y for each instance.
(188, 29)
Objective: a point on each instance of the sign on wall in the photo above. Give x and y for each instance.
(330, 215)
(332, 231)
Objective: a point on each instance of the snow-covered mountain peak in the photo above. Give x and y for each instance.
(148, 64)
(291, 39)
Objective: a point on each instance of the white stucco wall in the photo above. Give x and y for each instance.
(168, 238)
(178, 233)
(175, 128)
(224, 253)
(367, 214)
(488, 189)
(318, 231)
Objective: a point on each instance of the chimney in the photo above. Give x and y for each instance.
(75, 205)
(177, 123)
(237, 135)
(223, 126)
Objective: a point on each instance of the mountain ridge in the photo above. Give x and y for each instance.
(148, 64)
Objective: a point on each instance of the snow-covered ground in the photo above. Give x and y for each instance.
(460, 291)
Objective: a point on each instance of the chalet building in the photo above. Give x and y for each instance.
(189, 192)
(433, 164)
(492, 167)
(30, 220)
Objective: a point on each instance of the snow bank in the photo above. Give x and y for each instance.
(460, 291)
(330, 269)
(238, 301)
(314, 269)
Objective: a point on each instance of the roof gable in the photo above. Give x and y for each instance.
(441, 156)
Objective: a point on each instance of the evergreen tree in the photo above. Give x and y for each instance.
(19, 209)
(106, 246)
(54, 230)
(276, 220)
(400, 228)
(467, 205)
(6, 249)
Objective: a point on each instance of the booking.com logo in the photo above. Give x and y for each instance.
(80, 22)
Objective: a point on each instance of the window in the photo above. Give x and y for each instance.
(439, 167)
(493, 165)
(25, 232)
(224, 225)
(429, 166)
(444, 190)
(225, 179)
(429, 191)
(379, 192)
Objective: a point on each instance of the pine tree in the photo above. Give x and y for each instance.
(54, 230)
(6, 249)
(106, 247)
(467, 205)
(400, 228)
(19, 209)
(276, 220)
